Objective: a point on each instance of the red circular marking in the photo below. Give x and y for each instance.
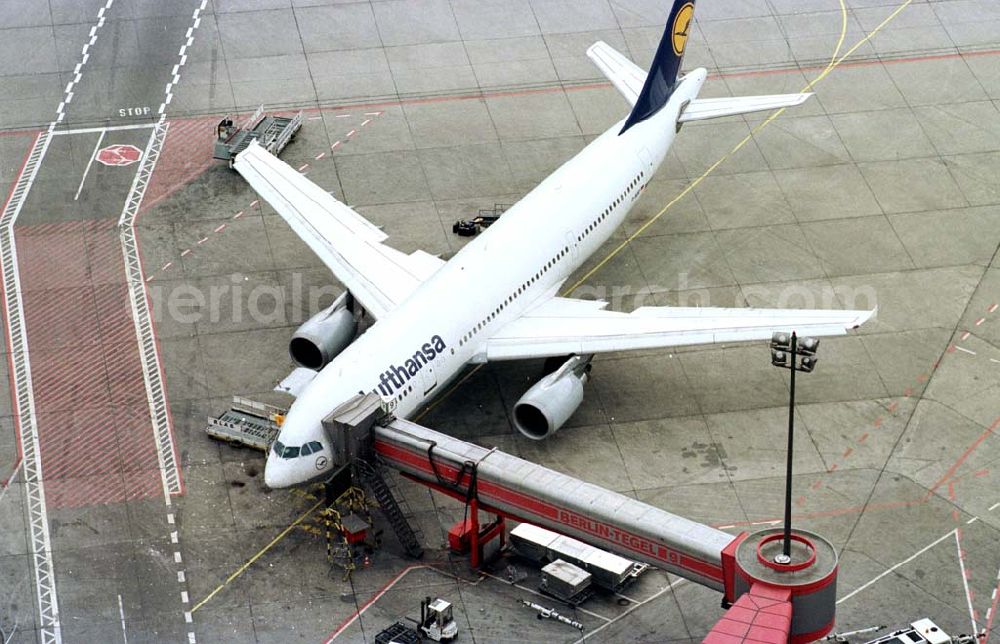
(119, 154)
(789, 567)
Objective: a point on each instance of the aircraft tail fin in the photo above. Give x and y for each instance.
(662, 77)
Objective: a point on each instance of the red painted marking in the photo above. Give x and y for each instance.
(981, 473)
(877, 422)
(893, 406)
(833, 468)
(961, 459)
(186, 154)
(817, 485)
(10, 345)
(863, 438)
(848, 452)
(95, 431)
(119, 155)
(951, 348)
(922, 378)
(374, 598)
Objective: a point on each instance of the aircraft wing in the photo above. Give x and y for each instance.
(628, 78)
(562, 327)
(379, 277)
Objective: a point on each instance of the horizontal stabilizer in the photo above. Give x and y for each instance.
(712, 108)
(625, 75)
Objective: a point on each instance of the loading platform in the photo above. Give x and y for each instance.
(271, 131)
(247, 423)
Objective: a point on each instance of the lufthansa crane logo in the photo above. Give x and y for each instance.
(681, 28)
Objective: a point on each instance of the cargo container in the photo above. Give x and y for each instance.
(565, 581)
(542, 546)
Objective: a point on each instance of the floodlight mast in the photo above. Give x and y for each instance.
(783, 347)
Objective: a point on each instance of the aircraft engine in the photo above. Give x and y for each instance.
(552, 400)
(324, 335)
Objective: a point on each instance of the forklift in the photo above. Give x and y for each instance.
(436, 624)
(436, 620)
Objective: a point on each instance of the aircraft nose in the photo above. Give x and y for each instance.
(276, 474)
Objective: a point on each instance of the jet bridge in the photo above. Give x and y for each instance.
(503, 484)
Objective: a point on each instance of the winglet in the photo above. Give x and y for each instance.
(662, 78)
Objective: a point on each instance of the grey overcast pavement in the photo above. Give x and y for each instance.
(884, 189)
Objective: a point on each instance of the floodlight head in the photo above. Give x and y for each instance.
(779, 358)
(807, 364)
(781, 340)
(807, 346)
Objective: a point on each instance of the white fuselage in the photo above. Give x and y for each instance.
(413, 351)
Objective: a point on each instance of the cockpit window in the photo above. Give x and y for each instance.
(311, 448)
(278, 448)
(290, 452)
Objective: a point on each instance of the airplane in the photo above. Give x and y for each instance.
(433, 318)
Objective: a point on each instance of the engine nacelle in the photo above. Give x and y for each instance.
(324, 335)
(552, 400)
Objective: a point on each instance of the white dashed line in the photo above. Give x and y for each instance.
(177, 556)
(969, 351)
